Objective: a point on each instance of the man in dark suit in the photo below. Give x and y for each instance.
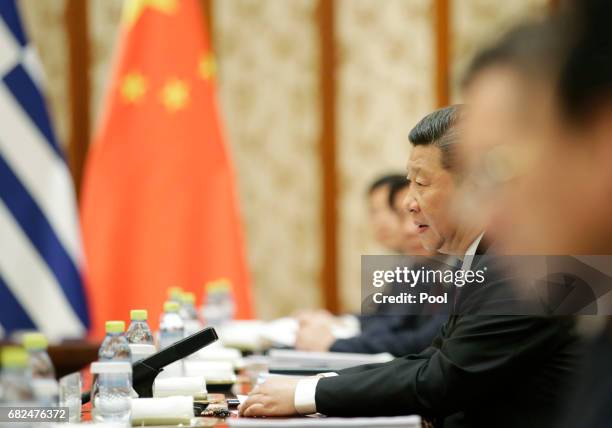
(558, 75)
(493, 370)
(384, 328)
(586, 94)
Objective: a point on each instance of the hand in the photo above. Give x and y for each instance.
(274, 397)
(307, 315)
(315, 335)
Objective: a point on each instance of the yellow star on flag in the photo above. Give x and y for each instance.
(207, 66)
(175, 95)
(133, 87)
(134, 8)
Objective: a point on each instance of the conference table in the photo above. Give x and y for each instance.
(242, 386)
(76, 356)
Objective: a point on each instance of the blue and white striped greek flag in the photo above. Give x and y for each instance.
(40, 247)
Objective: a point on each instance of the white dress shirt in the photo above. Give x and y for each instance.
(304, 397)
(305, 391)
(470, 253)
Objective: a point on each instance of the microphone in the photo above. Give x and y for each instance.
(144, 371)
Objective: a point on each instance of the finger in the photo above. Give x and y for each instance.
(245, 409)
(245, 406)
(256, 409)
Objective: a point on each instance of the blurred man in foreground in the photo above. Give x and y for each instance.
(511, 87)
(492, 369)
(585, 93)
(551, 83)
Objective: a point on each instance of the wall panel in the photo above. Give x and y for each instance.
(476, 23)
(45, 23)
(385, 85)
(268, 82)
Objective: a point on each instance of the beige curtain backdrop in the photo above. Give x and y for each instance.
(268, 83)
(477, 23)
(45, 23)
(269, 69)
(385, 85)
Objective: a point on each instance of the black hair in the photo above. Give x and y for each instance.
(536, 49)
(586, 78)
(385, 180)
(394, 189)
(438, 129)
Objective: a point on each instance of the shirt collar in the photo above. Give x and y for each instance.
(471, 252)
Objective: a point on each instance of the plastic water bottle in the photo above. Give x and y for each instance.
(111, 391)
(115, 346)
(188, 310)
(139, 332)
(40, 365)
(40, 369)
(171, 327)
(14, 380)
(174, 294)
(218, 308)
(189, 314)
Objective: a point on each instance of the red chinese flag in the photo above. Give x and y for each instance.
(158, 203)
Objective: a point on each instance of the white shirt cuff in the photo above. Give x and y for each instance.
(305, 391)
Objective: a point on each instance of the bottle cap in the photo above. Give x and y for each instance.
(14, 357)
(110, 367)
(34, 341)
(139, 314)
(115, 326)
(174, 293)
(221, 285)
(188, 298)
(170, 306)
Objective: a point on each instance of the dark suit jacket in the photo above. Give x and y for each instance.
(399, 330)
(590, 405)
(398, 335)
(494, 370)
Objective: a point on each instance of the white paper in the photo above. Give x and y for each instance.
(83, 425)
(212, 371)
(194, 386)
(175, 369)
(281, 331)
(243, 334)
(230, 355)
(256, 335)
(162, 411)
(327, 360)
(412, 421)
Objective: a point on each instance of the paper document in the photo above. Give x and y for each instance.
(254, 335)
(242, 334)
(327, 360)
(283, 331)
(412, 421)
